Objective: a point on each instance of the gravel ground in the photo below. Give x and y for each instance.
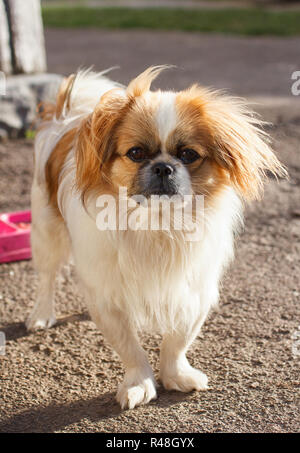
(65, 379)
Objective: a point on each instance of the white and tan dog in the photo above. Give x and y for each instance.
(101, 136)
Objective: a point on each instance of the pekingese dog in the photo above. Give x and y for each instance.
(100, 137)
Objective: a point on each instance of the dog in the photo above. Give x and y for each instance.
(99, 137)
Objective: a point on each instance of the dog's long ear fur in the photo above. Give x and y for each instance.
(238, 142)
(243, 148)
(96, 139)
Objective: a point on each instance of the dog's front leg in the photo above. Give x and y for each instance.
(175, 371)
(139, 385)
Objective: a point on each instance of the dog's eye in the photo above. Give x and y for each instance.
(187, 155)
(136, 154)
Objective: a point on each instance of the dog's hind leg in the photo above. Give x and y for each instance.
(50, 247)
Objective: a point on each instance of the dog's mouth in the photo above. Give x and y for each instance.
(163, 188)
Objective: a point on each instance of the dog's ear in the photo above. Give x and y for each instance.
(142, 83)
(96, 139)
(238, 142)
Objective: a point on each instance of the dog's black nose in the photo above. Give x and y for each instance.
(163, 169)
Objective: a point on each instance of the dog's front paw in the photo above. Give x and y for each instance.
(39, 320)
(136, 389)
(186, 379)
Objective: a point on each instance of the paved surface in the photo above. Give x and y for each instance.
(247, 67)
(64, 379)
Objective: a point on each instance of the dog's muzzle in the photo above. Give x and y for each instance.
(163, 178)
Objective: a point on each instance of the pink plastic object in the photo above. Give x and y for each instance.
(15, 236)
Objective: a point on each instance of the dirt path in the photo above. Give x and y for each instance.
(64, 379)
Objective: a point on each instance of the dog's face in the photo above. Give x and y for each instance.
(153, 154)
(167, 143)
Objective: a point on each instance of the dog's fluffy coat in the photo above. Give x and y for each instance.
(141, 279)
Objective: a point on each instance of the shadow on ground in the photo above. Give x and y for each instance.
(56, 417)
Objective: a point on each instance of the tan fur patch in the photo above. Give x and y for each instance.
(46, 111)
(55, 164)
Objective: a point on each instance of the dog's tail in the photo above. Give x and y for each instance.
(46, 111)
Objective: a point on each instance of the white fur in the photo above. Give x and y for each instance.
(166, 115)
(131, 280)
